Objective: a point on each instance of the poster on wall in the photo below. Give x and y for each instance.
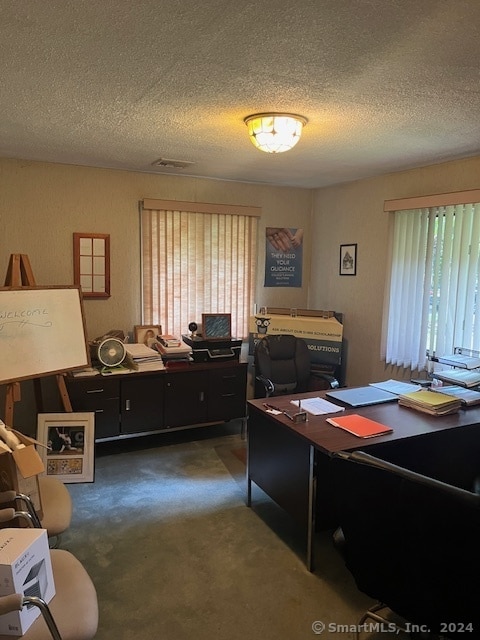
(284, 257)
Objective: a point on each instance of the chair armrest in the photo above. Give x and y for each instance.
(27, 501)
(7, 496)
(9, 513)
(332, 381)
(268, 385)
(16, 602)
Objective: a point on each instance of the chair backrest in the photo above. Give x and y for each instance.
(285, 360)
(410, 541)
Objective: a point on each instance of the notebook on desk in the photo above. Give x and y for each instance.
(362, 396)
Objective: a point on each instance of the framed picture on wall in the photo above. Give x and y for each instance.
(348, 260)
(67, 445)
(91, 264)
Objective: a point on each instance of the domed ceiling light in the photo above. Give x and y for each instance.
(275, 132)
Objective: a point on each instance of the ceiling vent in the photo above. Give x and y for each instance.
(172, 164)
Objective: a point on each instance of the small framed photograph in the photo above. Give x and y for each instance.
(348, 259)
(147, 333)
(67, 445)
(216, 325)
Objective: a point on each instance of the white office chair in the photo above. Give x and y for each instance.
(72, 614)
(56, 505)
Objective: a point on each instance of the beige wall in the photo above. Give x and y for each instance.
(41, 205)
(353, 213)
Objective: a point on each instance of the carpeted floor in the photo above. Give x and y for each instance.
(175, 553)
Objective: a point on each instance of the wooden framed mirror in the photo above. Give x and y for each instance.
(91, 264)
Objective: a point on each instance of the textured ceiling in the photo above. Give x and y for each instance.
(385, 84)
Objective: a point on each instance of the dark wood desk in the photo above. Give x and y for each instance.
(288, 461)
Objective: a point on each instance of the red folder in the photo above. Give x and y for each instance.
(360, 426)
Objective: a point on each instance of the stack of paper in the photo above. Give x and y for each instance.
(174, 352)
(436, 404)
(144, 358)
(463, 377)
(460, 360)
(396, 386)
(168, 340)
(317, 406)
(468, 397)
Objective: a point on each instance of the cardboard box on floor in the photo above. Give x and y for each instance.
(26, 568)
(19, 470)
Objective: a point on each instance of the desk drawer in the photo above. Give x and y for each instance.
(103, 398)
(227, 394)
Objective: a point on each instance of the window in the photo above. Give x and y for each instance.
(196, 259)
(434, 283)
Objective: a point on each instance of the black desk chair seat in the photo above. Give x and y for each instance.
(282, 365)
(410, 542)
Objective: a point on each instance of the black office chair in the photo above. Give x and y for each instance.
(282, 365)
(411, 542)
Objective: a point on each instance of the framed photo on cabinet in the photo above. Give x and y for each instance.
(348, 260)
(146, 333)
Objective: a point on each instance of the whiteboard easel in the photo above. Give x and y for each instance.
(42, 332)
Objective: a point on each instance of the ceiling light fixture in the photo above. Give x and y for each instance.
(275, 132)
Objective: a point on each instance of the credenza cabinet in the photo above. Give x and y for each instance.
(192, 395)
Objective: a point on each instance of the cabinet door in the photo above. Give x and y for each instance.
(142, 404)
(227, 393)
(101, 396)
(186, 398)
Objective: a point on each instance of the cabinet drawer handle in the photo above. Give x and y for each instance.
(95, 391)
(201, 396)
(99, 410)
(228, 395)
(127, 405)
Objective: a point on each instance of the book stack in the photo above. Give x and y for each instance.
(435, 404)
(468, 397)
(173, 349)
(463, 377)
(143, 358)
(167, 341)
(460, 360)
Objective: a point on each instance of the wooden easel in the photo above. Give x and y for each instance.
(20, 274)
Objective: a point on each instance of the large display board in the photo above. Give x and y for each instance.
(322, 335)
(42, 332)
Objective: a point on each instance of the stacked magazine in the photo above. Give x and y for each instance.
(468, 397)
(463, 377)
(173, 349)
(435, 404)
(144, 358)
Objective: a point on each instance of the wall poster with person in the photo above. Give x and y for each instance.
(284, 257)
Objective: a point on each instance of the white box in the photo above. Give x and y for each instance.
(26, 568)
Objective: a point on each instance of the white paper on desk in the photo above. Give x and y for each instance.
(396, 386)
(317, 406)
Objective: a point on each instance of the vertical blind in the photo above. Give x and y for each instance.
(196, 261)
(434, 283)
